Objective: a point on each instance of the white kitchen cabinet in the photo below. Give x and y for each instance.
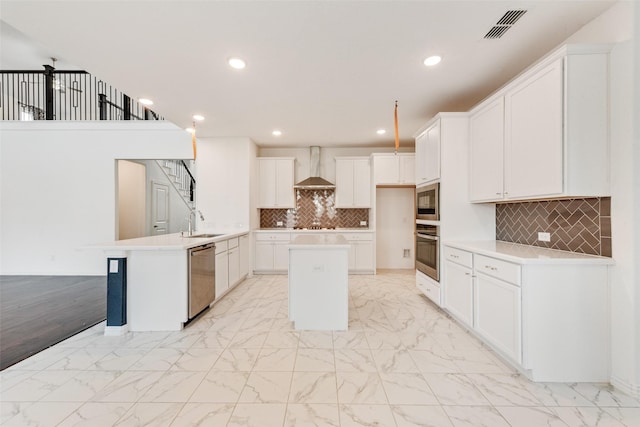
(486, 152)
(271, 254)
(361, 253)
(427, 157)
(394, 169)
(353, 182)
(458, 285)
(543, 310)
(222, 269)
(555, 131)
(234, 261)
(243, 244)
(276, 179)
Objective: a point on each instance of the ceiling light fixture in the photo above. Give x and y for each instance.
(198, 117)
(276, 132)
(190, 130)
(145, 101)
(381, 131)
(237, 63)
(432, 60)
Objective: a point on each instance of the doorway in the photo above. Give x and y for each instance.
(131, 199)
(395, 223)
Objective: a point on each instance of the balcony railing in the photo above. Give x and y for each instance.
(65, 95)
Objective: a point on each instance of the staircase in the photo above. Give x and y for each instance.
(181, 179)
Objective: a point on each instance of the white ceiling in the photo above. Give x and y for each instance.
(324, 72)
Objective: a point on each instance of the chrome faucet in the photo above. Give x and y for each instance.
(192, 226)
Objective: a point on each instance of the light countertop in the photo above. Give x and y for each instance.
(169, 242)
(311, 230)
(321, 241)
(525, 254)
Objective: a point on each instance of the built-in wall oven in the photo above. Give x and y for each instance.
(427, 250)
(427, 202)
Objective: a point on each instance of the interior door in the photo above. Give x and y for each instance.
(159, 208)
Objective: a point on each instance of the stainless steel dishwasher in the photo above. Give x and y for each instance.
(202, 278)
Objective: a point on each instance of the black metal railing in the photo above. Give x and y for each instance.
(65, 95)
(192, 182)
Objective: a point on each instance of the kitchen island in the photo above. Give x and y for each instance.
(319, 282)
(153, 274)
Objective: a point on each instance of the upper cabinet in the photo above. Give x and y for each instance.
(545, 134)
(394, 169)
(353, 182)
(276, 182)
(428, 155)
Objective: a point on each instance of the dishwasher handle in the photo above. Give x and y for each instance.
(197, 249)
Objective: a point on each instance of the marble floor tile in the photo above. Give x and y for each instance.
(82, 387)
(150, 414)
(455, 389)
(503, 390)
(42, 414)
(282, 339)
(410, 389)
(354, 360)
(366, 415)
(589, 416)
(276, 359)
(476, 416)
(266, 387)
(37, 386)
(204, 414)
(214, 340)
(119, 359)
(81, 358)
(605, 395)
(311, 415)
(237, 359)
(394, 361)
(315, 360)
(158, 359)
(360, 387)
(531, 416)
(173, 386)
(220, 387)
(350, 340)
(248, 339)
(316, 339)
(258, 415)
(313, 387)
(128, 387)
(420, 416)
(629, 417)
(9, 410)
(96, 414)
(555, 394)
(434, 360)
(197, 359)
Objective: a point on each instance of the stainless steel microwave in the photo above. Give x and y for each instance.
(428, 201)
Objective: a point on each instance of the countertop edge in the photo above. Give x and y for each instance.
(182, 243)
(557, 259)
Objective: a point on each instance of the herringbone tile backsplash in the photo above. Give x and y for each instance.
(576, 225)
(314, 208)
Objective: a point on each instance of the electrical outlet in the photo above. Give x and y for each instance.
(544, 237)
(406, 253)
(278, 223)
(363, 223)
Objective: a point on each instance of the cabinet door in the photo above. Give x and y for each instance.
(363, 256)
(407, 169)
(458, 292)
(344, 183)
(284, 184)
(486, 163)
(385, 169)
(267, 182)
(222, 273)
(281, 256)
(244, 255)
(421, 158)
(263, 256)
(534, 135)
(234, 266)
(432, 154)
(498, 315)
(361, 183)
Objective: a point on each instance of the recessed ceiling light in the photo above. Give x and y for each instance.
(145, 101)
(198, 117)
(237, 63)
(276, 132)
(381, 131)
(432, 60)
(190, 130)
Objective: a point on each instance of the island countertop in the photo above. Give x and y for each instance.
(167, 242)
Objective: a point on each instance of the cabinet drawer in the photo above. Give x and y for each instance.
(358, 236)
(458, 256)
(222, 246)
(280, 237)
(233, 243)
(430, 289)
(499, 269)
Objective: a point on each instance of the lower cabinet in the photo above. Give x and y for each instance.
(222, 269)
(243, 244)
(232, 263)
(498, 315)
(361, 253)
(459, 292)
(271, 254)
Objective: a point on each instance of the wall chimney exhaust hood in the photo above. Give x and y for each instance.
(314, 182)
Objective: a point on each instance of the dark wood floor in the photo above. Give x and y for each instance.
(37, 312)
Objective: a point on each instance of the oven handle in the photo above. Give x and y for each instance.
(427, 236)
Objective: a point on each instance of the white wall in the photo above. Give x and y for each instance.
(327, 158)
(224, 167)
(395, 223)
(58, 189)
(621, 24)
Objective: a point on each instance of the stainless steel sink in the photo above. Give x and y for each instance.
(202, 236)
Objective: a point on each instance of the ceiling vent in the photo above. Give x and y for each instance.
(504, 23)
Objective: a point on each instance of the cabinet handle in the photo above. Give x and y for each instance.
(455, 256)
(498, 194)
(490, 268)
(467, 274)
